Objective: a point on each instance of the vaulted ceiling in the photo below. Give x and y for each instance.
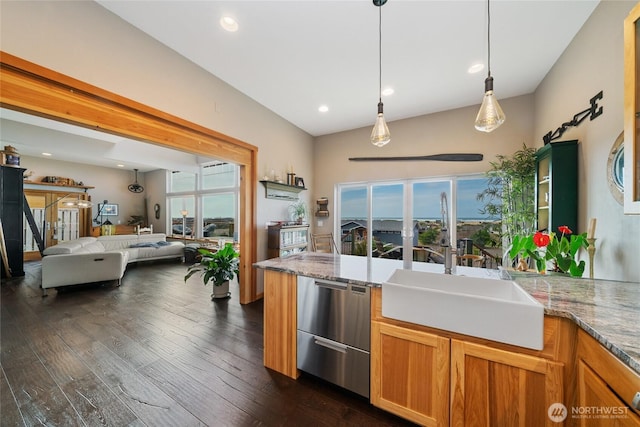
(294, 56)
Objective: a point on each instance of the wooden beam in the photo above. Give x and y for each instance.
(36, 90)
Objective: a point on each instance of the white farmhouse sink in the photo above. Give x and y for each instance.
(497, 310)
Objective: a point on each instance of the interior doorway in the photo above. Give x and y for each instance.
(58, 217)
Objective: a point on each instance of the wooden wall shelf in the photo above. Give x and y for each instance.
(51, 184)
(281, 191)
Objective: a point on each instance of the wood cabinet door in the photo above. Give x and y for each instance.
(410, 374)
(598, 405)
(280, 322)
(493, 387)
(605, 384)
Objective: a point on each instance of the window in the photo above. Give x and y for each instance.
(353, 220)
(182, 181)
(219, 175)
(406, 217)
(219, 213)
(210, 200)
(183, 210)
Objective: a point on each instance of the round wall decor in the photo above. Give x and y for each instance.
(615, 169)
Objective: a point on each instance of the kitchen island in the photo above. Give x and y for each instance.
(592, 335)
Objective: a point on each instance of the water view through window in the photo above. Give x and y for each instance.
(396, 218)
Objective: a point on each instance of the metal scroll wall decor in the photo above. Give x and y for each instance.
(592, 112)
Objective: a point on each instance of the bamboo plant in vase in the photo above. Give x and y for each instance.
(218, 268)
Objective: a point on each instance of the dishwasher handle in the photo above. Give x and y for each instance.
(339, 286)
(331, 345)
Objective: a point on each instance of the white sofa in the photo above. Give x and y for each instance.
(97, 259)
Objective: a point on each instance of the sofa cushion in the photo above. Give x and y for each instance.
(91, 248)
(154, 237)
(172, 249)
(124, 241)
(70, 246)
(121, 241)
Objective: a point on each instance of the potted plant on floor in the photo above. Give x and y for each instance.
(217, 267)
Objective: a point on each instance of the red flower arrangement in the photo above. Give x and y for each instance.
(543, 247)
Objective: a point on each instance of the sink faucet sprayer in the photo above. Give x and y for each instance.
(445, 237)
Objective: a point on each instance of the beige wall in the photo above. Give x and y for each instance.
(110, 184)
(446, 132)
(85, 41)
(594, 62)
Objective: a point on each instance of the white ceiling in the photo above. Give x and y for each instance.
(293, 56)
(33, 135)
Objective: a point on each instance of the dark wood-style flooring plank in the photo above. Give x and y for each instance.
(155, 351)
(145, 399)
(204, 402)
(9, 412)
(96, 404)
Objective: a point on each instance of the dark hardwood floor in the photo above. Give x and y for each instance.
(153, 352)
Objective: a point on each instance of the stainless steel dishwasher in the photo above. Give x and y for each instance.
(334, 332)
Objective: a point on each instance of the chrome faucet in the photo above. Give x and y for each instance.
(445, 237)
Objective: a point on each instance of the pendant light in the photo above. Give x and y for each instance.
(380, 135)
(490, 116)
(135, 187)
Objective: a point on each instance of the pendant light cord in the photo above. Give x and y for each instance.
(380, 52)
(488, 38)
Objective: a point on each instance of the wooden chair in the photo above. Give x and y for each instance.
(144, 230)
(323, 243)
(476, 260)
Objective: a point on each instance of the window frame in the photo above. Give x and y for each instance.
(408, 203)
(198, 194)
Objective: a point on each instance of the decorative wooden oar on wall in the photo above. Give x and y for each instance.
(447, 157)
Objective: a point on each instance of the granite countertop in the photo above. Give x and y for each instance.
(607, 310)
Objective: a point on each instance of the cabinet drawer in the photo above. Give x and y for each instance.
(598, 404)
(338, 363)
(622, 381)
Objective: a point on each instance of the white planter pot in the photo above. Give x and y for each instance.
(221, 291)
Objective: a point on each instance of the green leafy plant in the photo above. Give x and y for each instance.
(510, 193)
(429, 236)
(543, 247)
(217, 267)
(298, 211)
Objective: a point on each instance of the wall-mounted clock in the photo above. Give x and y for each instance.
(156, 208)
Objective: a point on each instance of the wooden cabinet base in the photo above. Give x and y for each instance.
(605, 386)
(280, 322)
(410, 374)
(494, 387)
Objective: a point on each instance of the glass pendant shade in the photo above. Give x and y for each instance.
(490, 116)
(380, 135)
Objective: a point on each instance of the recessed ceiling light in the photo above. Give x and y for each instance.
(475, 68)
(387, 91)
(229, 24)
(46, 154)
(323, 108)
(120, 166)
